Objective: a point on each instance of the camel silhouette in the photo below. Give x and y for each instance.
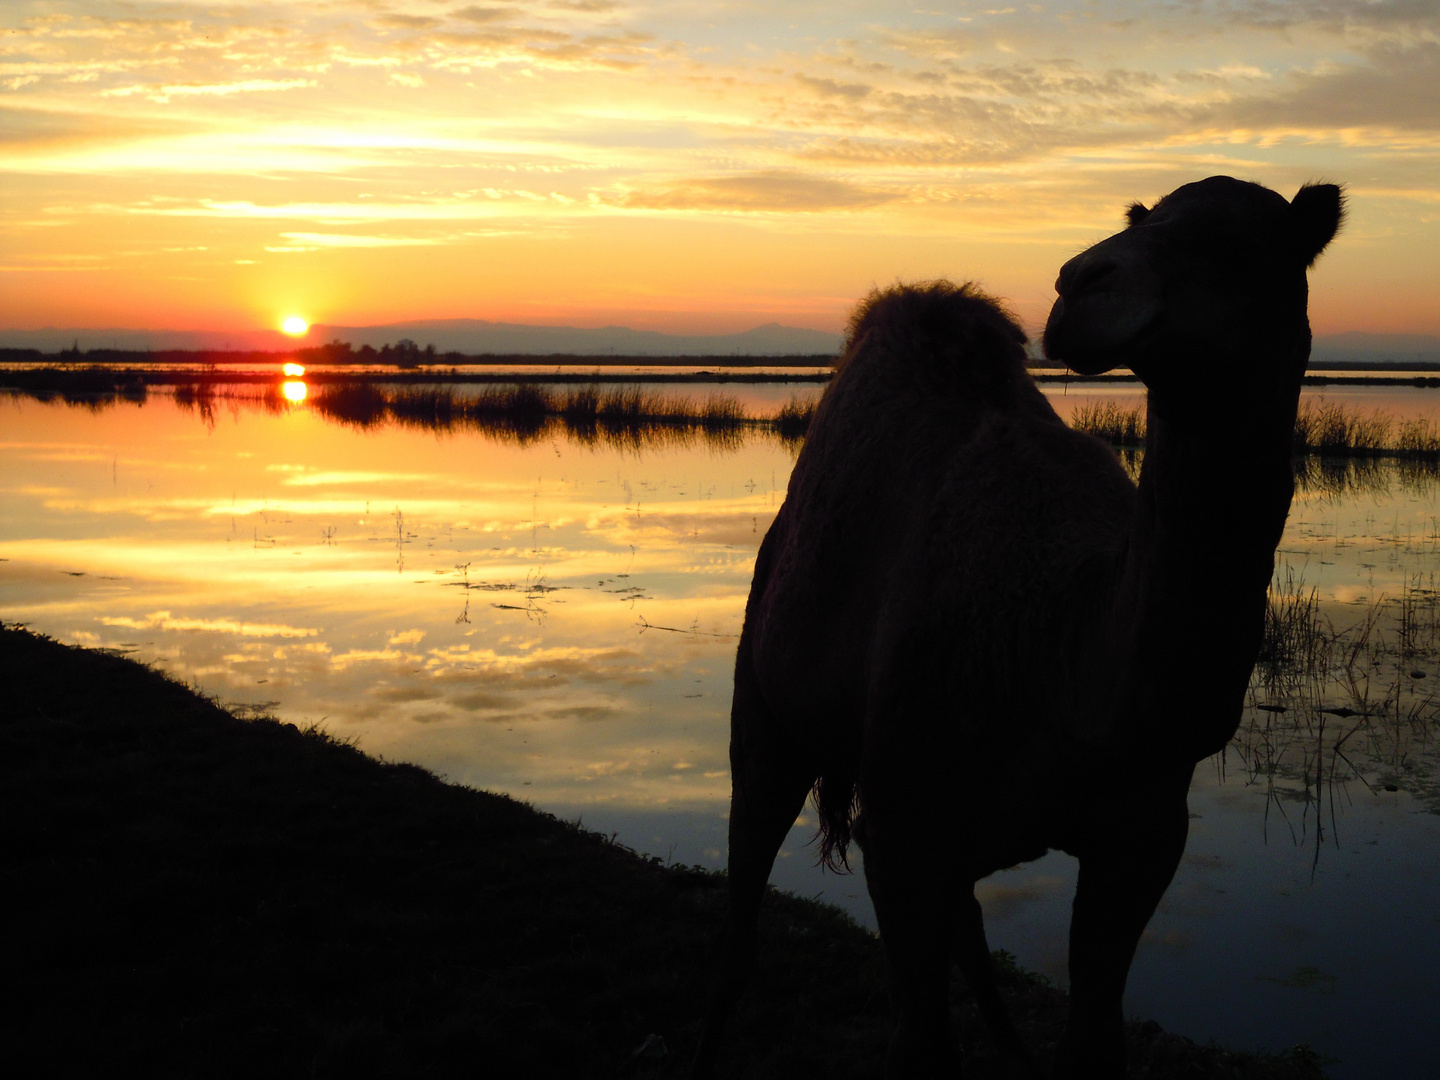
(976, 639)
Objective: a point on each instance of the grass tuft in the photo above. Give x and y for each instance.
(1323, 428)
(1118, 424)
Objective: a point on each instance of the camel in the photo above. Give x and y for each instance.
(975, 639)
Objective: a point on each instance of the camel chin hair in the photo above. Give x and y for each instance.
(968, 624)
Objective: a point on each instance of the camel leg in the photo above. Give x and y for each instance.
(972, 956)
(1121, 883)
(770, 780)
(911, 891)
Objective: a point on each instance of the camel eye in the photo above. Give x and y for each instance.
(1137, 213)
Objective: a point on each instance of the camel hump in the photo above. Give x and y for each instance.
(950, 330)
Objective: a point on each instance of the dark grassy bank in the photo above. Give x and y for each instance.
(194, 894)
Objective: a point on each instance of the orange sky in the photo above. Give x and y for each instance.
(691, 167)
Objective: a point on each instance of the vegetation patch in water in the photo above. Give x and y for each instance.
(1331, 706)
(1322, 427)
(624, 414)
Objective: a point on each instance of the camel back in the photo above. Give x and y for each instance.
(957, 338)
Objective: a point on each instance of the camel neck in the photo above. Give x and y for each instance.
(1214, 492)
(1210, 509)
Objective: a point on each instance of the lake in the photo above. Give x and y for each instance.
(557, 620)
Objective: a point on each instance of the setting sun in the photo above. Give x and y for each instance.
(294, 325)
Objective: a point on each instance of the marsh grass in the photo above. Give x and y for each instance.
(1324, 429)
(1342, 694)
(1122, 425)
(357, 404)
(1327, 427)
(792, 422)
(621, 416)
(1297, 637)
(93, 387)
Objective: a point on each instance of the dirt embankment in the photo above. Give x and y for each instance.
(193, 894)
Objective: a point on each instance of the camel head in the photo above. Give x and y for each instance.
(1213, 274)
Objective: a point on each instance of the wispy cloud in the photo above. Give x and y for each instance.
(370, 127)
(768, 192)
(248, 86)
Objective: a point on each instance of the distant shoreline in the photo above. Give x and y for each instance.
(325, 356)
(186, 366)
(30, 369)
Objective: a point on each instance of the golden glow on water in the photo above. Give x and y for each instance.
(293, 390)
(559, 623)
(549, 620)
(293, 371)
(548, 617)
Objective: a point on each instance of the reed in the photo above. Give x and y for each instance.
(1120, 425)
(433, 407)
(581, 408)
(792, 422)
(1418, 439)
(356, 404)
(1323, 428)
(721, 412)
(1328, 427)
(1297, 637)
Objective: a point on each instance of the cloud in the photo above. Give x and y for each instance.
(306, 241)
(831, 88)
(488, 14)
(594, 7)
(759, 192)
(624, 50)
(395, 21)
(1398, 89)
(163, 94)
(1333, 15)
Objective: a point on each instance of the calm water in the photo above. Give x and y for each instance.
(558, 622)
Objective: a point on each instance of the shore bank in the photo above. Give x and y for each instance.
(198, 893)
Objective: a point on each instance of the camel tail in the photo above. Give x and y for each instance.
(950, 328)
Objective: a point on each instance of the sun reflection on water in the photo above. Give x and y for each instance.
(293, 389)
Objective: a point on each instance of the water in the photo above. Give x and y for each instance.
(558, 621)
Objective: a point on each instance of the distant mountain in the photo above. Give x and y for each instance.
(53, 339)
(480, 336)
(453, 335)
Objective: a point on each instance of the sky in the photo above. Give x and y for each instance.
(679, 166)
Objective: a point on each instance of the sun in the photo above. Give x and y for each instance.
(294, 325)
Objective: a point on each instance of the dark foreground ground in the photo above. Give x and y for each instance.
(192, 894)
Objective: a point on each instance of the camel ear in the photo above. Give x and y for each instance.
(1136, 213)
(1316, 214)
